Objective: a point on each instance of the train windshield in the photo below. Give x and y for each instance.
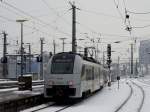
(62, 64)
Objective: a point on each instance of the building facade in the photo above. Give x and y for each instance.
(144, 56)
(14, 66)
(144, 52)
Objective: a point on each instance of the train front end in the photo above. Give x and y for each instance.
(63, 76)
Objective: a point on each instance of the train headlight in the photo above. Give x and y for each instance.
(50, 82)
(70, 83)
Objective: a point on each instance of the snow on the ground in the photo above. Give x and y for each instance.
(145, 79)
(106, 100)
(7, 82)
(37, 107)
(110, 98)
(146, 87)
(8, 89)
(16, 89)
(134, 102)
(27, 92)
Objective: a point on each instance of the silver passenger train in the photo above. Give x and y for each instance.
(74, 76)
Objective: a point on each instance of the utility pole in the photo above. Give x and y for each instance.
(136, 69)
(63, 44)
(22, 51)
(74, 43)
(16, 64)
(41, 64)
(118, 72)
(131, 60)
(29, 57)
(54, 44)
(4, 54)
(97, 50)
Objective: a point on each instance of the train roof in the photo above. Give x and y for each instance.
(90, 59)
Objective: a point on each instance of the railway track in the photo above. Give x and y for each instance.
(127, 99)
(144, 82)
(53, 109)
(41, 108)
(143, 96)
(132, 96)
(50, 107)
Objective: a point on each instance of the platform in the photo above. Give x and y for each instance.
(12, 100)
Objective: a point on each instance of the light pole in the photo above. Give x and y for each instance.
(63, 43)
(21, 22)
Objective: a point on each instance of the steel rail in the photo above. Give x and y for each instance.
(143, 96)
(127, 99)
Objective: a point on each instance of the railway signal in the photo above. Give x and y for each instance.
(109, 61)
(109, 50)
(109, 55)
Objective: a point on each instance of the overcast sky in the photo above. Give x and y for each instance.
(51, 19)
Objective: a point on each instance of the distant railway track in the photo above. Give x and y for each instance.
(143, 96)
(131, 95)
(144, 82)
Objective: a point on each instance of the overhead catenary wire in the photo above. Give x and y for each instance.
(132, 12)
(129, 23)
(102, 34)
(141, 26)
(117, 7)
(55, 12)
(11, 20)
(34, 18)
(16, 13)
(99, 13)
(31, 27)
(5, 18)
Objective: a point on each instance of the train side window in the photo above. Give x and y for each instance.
(98, 72)
(88, 73)
(83, 70)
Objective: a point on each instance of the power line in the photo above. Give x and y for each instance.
(117, 7)
(10, 20)
(25, 13)
(138, 12)
(55, 12)
(5, 18)
(11, 10)
(124, 4)
(103, 34)
(100, 13)
(141, 26)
